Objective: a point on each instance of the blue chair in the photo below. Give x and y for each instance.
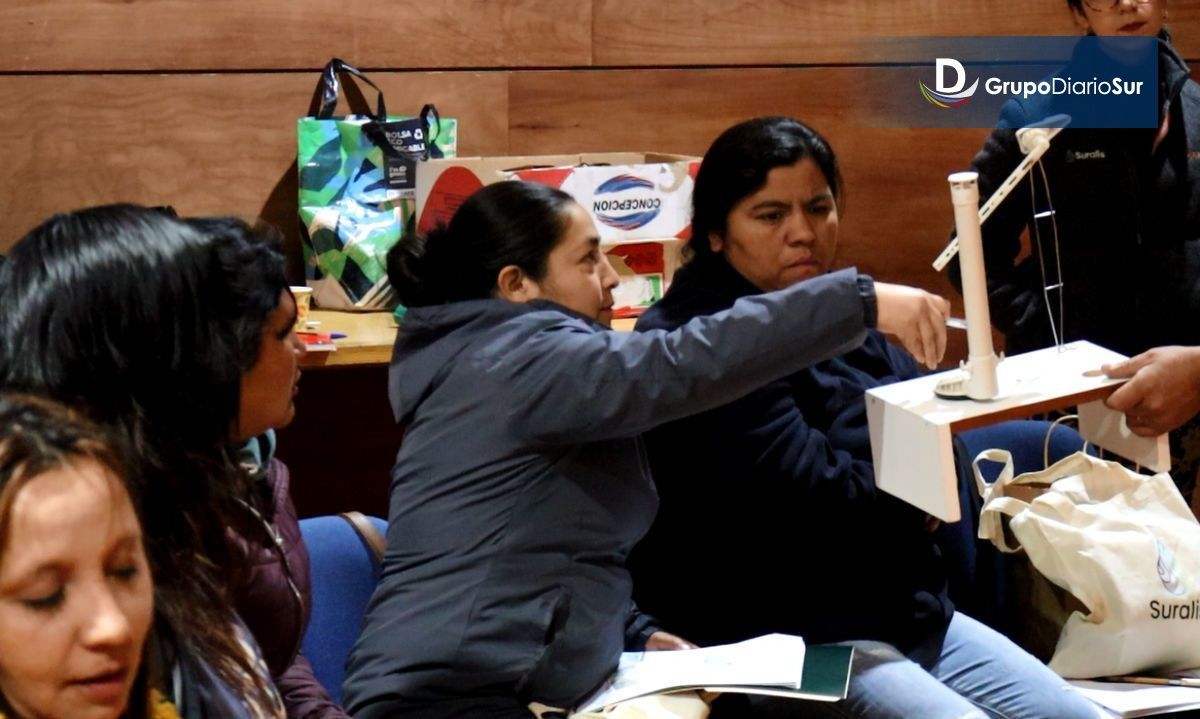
(978, 574)
(345, 569)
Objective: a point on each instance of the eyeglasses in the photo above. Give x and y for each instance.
(1105, 5)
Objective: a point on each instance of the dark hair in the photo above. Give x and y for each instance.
(507, 223)
(250, 266)
(147, 323)
(737, 164)
(38, 436)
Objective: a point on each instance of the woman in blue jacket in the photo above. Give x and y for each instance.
(770, 519)
(521, 484)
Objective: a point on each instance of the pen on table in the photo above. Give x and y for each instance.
(337, 335)
(957, 323)
(1158, 681)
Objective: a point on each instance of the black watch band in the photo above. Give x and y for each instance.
(866, 290)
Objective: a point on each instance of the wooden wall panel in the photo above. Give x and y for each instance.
(88, 35)
(898, 212)
(784, 32)
(204, 143)
(149, 35)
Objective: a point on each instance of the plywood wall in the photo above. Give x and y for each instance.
(193, 102)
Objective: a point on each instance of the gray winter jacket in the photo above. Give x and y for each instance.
(521, 486)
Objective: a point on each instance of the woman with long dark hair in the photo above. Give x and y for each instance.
(520, 486)
(179, 335)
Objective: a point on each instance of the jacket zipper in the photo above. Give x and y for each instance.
(276, 542)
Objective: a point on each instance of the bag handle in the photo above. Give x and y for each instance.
(1050, 433)
(432, 122)
(367, 530)
(328, 88)
(996, 502)
(991, 527)
(1001, 456)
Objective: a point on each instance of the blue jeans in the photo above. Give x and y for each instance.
(979, 675)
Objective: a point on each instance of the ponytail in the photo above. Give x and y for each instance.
(507, 223)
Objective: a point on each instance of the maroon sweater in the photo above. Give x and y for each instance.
(275, 599)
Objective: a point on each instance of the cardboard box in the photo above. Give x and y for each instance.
(645, 269)
(630, 195)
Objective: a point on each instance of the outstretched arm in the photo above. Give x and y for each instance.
(569, 381)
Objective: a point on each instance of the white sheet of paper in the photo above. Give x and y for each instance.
(1137, 700)
(771, 660)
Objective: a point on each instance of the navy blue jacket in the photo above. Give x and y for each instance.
(769, 519)
(1128, 216)
(522, 485)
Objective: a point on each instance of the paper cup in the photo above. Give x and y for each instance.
(303, 297)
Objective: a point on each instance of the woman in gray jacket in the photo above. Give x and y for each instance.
(521, 484)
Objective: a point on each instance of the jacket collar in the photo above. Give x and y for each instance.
(709, 284)
(1173, 72)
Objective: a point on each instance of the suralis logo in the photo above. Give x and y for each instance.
(1168, 571)
(626, 202)
(949, 95)
(1169, 575)
(1078, 155)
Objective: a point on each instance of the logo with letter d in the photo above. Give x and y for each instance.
(949, 95)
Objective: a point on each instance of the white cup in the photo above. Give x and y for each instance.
(303, 297)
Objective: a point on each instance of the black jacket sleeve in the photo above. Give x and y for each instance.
(638, 628)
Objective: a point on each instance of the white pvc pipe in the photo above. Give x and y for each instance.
(981, 357)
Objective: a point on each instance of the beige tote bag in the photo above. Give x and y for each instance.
(1124, 544)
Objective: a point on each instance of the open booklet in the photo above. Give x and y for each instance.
(776, 664)
(1144, 696)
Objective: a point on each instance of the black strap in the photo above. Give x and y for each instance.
(367, 530)
(328, 88)
(432, 122)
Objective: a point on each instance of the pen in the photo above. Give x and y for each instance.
(1158, 681)
(957, 323)
(337, 335)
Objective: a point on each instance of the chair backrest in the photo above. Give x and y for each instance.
(344, 573)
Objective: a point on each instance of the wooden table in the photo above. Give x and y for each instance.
(368, 341)
(369, 338)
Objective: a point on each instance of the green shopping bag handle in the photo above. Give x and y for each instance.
(328, 88)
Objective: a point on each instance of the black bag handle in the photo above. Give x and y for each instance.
(432, 122)
(328, 88)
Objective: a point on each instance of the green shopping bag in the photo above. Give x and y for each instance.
(357, 190)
